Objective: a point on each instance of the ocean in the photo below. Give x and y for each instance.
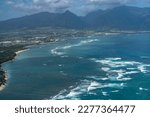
(107, 67)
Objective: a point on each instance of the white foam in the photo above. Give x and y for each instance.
(131, 68)
(60, 65)
(64, 56)
(79, 44)
(140, 88)
(115, 74)
(96, 78)
(55, 51)
(104, 78)
(115, 62)
(105, 93)
(59, 95)
(114, 85)
(142, 68)
(143, 89)
(124, 79)
(94, 85)
(119, 70)
(73, 94)
(131, 72)
(105, 69)
(113, 59)
(115, 91)
(86, 87)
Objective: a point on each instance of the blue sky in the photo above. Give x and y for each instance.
(17, 8)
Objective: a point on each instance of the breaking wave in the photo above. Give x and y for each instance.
(85, 88)
(116, 70)
(60, 50)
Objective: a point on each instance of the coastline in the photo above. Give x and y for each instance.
(15, 51)
(20, 51)
(3, 85)
(4, 77)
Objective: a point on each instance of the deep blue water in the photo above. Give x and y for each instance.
(113, 67)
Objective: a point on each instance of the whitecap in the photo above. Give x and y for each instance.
(131, 72)
(143, 89)
(131, 68)
(115, 91)
(94, 85)
(142, 69)
(114, 59)
(64, 56)
(105, 93)
(55, 51)
(73, 94)
(114, 85)
(124, 79)
(86, 87)
(104, 78)
(105, 69)
(59, 95)
(60, 65)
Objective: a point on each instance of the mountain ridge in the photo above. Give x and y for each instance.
(118, 18)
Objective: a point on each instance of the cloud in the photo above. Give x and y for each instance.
(33, 6)
(77, 6)
(52, 5)
(91, 5)
(9, 2)
(106, 4)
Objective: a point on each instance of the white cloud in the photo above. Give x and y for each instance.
(91, 5)
(78, 6)
(33, 6)
(52, 5)
(9, 2)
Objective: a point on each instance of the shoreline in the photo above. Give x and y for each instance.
(16, 52)
(4, 77)
(2, 87)
(20, 51)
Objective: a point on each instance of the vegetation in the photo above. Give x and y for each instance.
(6, 54)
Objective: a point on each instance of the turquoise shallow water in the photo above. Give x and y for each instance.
(96, 67)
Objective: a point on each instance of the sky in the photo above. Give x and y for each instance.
(17, 8)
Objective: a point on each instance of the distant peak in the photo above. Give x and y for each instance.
(68, 12)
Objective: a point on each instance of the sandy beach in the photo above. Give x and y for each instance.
(2, 87)
(20, 51)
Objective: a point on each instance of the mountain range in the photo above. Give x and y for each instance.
(118, 18)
